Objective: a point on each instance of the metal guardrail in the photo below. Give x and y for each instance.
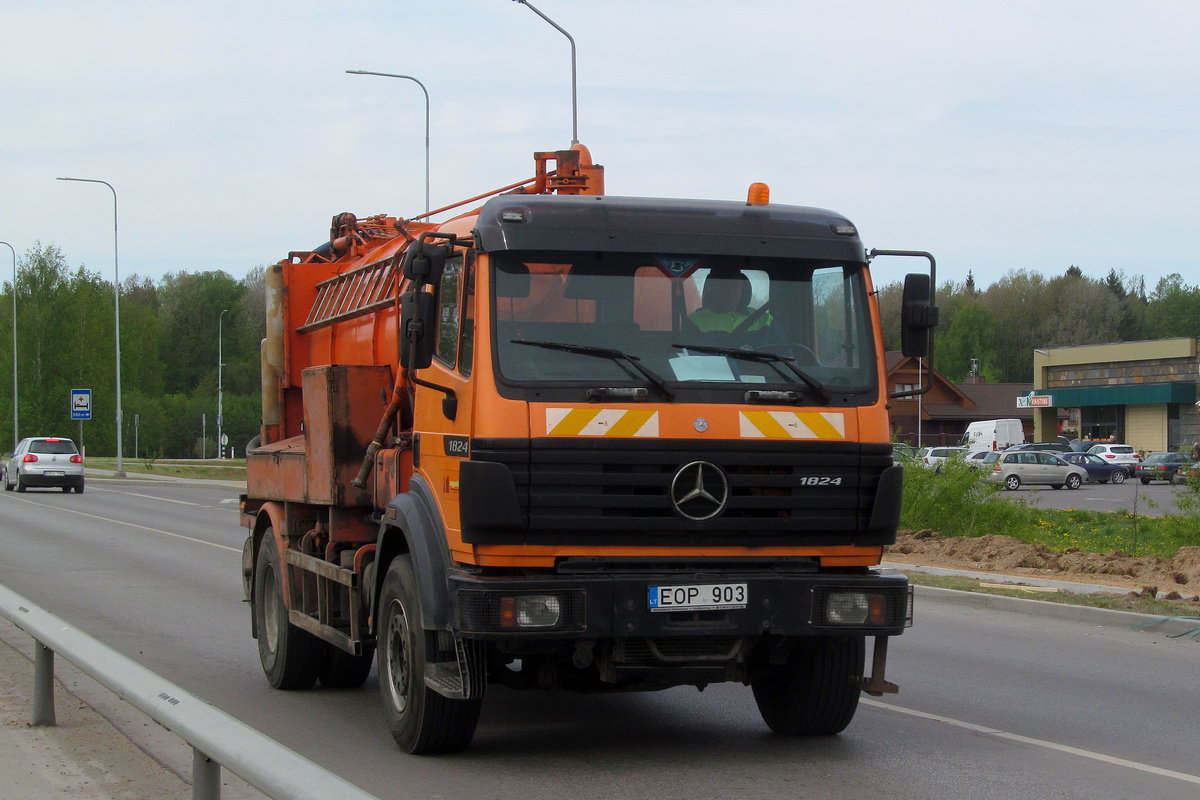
(216, 738)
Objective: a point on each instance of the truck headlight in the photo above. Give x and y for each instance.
(530, 611)
(847, 608)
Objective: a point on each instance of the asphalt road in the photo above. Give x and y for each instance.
(992, 704)
(1149, 500)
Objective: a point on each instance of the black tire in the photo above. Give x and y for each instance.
(816, 693)
(7, 486)
(1073, 481)
(1012, 482)
(20, 483)
(1056, 486)
(291, 657)
(79, 489)
(1145, 482)
(420, 720)
(66, 489)
(1118, 476)
(341, 670)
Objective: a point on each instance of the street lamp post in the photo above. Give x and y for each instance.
(426, 91)
(117, 309)
(14, 290)
(574, 82)
(220, 364)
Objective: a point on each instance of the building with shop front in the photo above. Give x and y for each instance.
(941, 416)
(1140, 393)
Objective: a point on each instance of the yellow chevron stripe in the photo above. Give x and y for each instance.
(766, 424)
(792, 425)
(630, 423)
(575, 421)
(820, 426)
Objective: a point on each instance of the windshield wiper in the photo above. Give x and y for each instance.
(764, 358)
(605, 352)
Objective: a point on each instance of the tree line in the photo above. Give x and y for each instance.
(66, 320)
(997, 329)
(169, 343)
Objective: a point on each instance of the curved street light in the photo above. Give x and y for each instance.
(426, 91)
(117, 307)
(574, 95)
(14, 257)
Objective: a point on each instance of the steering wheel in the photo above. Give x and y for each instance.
(803, 354)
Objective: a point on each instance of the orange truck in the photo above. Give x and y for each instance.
(578, 441)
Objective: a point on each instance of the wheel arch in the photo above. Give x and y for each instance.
(412, 526)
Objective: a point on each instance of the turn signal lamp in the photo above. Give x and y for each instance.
(758, 195)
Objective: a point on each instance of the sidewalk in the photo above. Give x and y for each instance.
(101, 747)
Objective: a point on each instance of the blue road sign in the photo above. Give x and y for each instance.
(81, 404)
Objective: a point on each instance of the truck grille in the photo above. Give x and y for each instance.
(613, 493)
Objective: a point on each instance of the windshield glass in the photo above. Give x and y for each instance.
(673, 316)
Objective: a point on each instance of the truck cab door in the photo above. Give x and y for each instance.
(443, 430)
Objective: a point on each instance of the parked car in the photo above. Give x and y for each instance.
(932, 457)
(44, 461)
(1115, 453)
(1035, 467)
(902, 453)
(1161, 467)
(1188, 475)
(1098, 470)
(1056, 447)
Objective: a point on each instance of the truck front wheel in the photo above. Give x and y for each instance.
(421, 720)
(816, 692)
(290, 656)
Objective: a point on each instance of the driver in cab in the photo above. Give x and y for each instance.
(725, 304)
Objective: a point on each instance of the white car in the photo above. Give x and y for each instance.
(932, 457)
(44, 461)
(1115, 453)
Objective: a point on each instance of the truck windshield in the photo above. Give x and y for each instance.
(675, 314)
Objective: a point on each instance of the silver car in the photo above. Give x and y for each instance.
(44, 461)
(1035, 467)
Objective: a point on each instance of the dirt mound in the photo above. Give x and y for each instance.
(993, 553)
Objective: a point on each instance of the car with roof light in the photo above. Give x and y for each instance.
(1098, 470)
(1015, 468)
(44, 461)
(1162, 467)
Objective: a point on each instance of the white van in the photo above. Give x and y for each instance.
(993, 434)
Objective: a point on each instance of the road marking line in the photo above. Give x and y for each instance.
(131, 525)
(148, 497)
(230, 500)
(1016, 737)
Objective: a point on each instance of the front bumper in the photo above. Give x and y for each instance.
(614, 606)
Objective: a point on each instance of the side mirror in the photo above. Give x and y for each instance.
(918, 316)
(423, 262)
(418, 313)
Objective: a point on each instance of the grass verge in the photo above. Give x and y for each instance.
(230, 469)
(957, 502)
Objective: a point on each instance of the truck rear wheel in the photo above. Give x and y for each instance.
(816, 692)
(290, 656)
(421, 720)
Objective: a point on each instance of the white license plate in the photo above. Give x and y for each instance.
(711, 597)
(54, 473)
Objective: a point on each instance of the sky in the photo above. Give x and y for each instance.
(998, 136)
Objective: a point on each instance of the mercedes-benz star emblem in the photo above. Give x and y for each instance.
(699, 491)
